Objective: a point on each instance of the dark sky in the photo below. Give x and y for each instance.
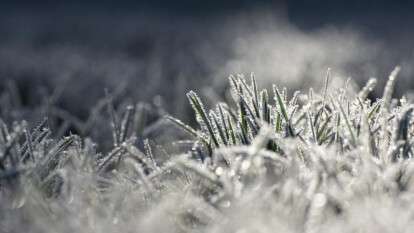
(307, 8)
(378, 15)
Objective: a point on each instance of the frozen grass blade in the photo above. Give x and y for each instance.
(114, 120)
(223, 121)
(218, 127)
(401, 136)
(255, 95)
(325, 90)
(282, 108)
(312, 127)
(201, 113)
(231, 131)
(321, 132)
(189, 130)
(265, 115)
(149, 154)
(182, 125)
(386, 101)
(368, 88)
(389, 89)
(348, 124)
(126, 123)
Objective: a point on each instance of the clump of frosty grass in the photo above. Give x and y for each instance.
(266, 162)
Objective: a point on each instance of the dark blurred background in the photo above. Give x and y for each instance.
(306, 13)
(74, 50)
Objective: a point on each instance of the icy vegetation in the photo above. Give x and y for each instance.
(268, 160)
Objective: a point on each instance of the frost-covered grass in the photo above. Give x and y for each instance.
(270, 160)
